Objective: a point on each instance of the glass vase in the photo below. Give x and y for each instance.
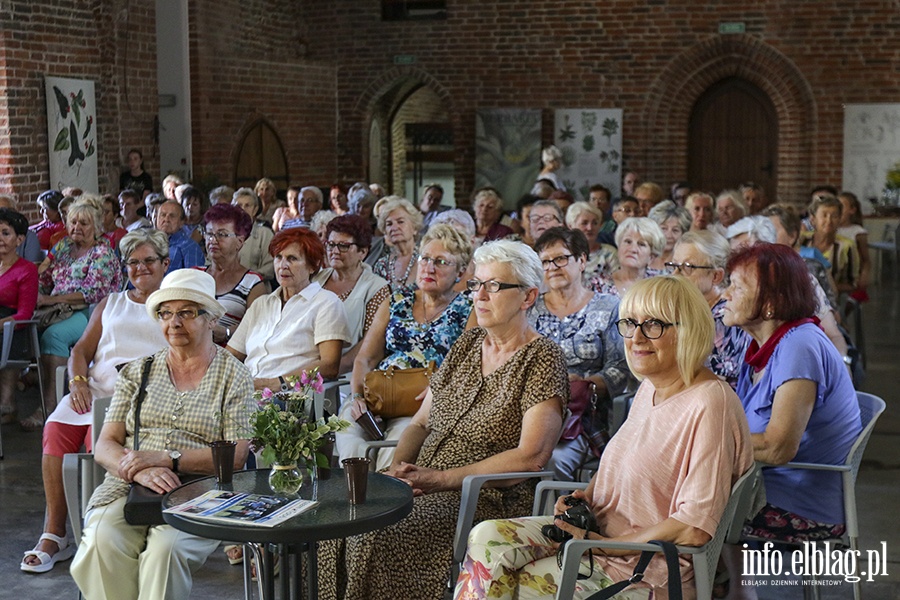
(285, 479)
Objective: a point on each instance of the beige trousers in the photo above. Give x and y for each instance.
(119, 561)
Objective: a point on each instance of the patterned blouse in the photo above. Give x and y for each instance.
(729, 347)
(602, 260)
(588, 338)
(412, 345)
(95, 275)
(384, 267)
(603, 282)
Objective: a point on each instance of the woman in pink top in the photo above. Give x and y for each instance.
(666, 475)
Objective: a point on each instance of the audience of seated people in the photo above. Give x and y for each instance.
(332, 311)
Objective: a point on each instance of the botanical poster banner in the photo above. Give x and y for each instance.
(591, 143)
(507, 151)
(871, 147)
(72, 133)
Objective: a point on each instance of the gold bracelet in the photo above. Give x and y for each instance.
(77, 378)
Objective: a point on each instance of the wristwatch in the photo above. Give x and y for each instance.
(175, 455)
(284, 385)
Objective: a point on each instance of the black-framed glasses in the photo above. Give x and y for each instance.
(219, 235)
(134, 263)
(339, 246)
(437, 262)
(559, 262)
(185, 314)
(651, 328)
(492, 287)
(543, 218)
(686, 268)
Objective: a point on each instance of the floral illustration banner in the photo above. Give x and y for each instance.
(507, 151)
(591, 143)
(871, 147)
(72, 133)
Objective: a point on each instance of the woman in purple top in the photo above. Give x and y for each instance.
(797, 394)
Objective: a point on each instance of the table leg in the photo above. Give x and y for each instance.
(286, 571)
(265, 570)
(312, 575)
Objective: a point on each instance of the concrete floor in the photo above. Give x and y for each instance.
(878, 487)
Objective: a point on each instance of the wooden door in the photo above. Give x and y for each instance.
(261, 155)
(733, 138)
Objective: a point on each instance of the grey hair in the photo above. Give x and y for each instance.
(550, 153)
(666, 210)
(92, 206)
(736, 198)
(322, 218)
(179, 191)
(222, 194)
(458, 219)
(316, 191)
(581, 207)
(550, 204)
(709, 243)
(647, 229)
(524, 262)
(489, 196)
(360, 197)
(391, 203)
(760, 229)
(137, 238)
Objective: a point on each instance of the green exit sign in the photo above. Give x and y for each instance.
(735, 27)
(404, 59)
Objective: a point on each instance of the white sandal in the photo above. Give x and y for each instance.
(65, 552)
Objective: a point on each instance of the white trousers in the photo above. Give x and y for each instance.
(118, 561)
(350, 442)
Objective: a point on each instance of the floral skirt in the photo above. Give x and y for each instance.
(777, 524)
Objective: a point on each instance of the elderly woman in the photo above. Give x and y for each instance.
(674, 221)
(18, 296)
(582, 322)
(254, 252)
(120, 331)
(730, 207)
(648, 195)
(320, 221)
(266, 191)
(401, 222)
(169, 184)
(488, 207)
(52, 223)
(701, 257)
(589, 220)
(701, 207)
(196, 393)
(825, 216)
(225, 229)
(639, 240)
(551, 161)
(363, 293)
(81, 270)
(495, 405)
(420, 327)
(666, 474)
(194, 205)
(796, 391)
(299, 326)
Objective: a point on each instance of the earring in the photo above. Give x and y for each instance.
(769, 314)
(458, 280)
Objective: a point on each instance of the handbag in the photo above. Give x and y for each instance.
(674, 573)
(55, 313)
(589, 416)
(392, 392)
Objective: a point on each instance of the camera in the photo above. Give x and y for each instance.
(578, 514)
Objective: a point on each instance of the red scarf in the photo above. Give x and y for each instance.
(758, 357)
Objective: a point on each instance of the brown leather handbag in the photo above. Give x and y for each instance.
(392, 392)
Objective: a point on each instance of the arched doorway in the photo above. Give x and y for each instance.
(261, 154)
(733, 138)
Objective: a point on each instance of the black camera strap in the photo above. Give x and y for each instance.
(674, 580)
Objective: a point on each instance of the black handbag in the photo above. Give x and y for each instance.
(143, 506)
(674, 580)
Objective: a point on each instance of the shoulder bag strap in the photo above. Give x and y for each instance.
(139, 399)
(674, 575)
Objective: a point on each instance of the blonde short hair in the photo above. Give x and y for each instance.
(454, 242)
(645, 227)
(674, 299)
(90, 205)
(581, 207)
(389, 204)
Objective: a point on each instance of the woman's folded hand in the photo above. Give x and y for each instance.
(423, 480)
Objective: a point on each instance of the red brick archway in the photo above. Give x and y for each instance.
(689, 74)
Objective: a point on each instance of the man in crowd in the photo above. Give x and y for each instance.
(183, 251)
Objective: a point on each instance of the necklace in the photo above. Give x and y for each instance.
(402, 281)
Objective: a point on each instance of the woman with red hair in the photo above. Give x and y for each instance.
(298, 327)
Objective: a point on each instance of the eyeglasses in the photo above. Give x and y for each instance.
(437, 262)
(492, 287)
(147, 262)
(627, 211)
(559, 262)
(543, 219)
(651, 328)
(219, 235)
(339, 246)
(686, 268)
(185, 314)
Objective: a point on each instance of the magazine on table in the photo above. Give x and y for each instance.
(238, 508)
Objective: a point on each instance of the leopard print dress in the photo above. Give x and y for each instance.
(473, 417)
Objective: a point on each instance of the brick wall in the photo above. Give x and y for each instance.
(112, 43)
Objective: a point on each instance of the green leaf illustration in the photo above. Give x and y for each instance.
(610, 128)
(76, 110)
(62, 140)
(588, 143)
(90, 150)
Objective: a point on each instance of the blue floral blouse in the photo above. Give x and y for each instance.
(412, 345)
(729, 347)
(588, 338)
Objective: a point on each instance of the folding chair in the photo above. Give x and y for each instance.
(34, 359)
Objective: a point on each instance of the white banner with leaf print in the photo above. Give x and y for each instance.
(591, 143)
(72, 133)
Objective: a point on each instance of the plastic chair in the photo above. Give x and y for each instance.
(82, 474)
(870, 408)
(330, 399)
(890, 243)
(704, 558)
(33, 361)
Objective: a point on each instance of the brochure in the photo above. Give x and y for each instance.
(242, 509)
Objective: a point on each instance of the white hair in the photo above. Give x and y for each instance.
(458, 219)
(710, 244)
(645, 227)
(550, 153)
(760, 229)
(581, 207)
(524, 262)
(316, 191)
